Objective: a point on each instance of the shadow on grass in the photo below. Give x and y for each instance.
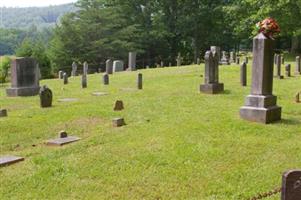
(226, 92)
(289, 122)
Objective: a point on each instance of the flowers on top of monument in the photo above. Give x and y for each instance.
(269, 27)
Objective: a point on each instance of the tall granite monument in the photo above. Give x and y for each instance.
(132, 61)
(24, 78)
(261, 104)
(211, 86)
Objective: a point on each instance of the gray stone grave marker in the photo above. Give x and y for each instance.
(291, 185)
(68, 100)
(278, 72)
(84, 81)
(140, 81)
(45, 97)
(118, 122)
(62, 140)
(217, 50)
(65, 78)
(198, 61)
(106, 79)
(298, 65)
(132, 61)
(243, 74)
(85, 68)
(74, 69)
(99, 94)
(9, 160)
(179, 60)
(3, 113)
(162, 64)
(261, 105)
(225, 60)
(109, 66)
(24, 78)
(118, 66)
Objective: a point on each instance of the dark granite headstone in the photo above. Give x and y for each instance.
(8, 160)
(288, 70)
(118, 122)
(132, 61)
(3, 113)
(278, 72)
(118, 106)
(298, 65)
(261, 105)
(212, 85)
(291, 185)
(84, 81)
(297, 98)
(238, 60)
(140, 81)
(45, 97)
(243, 74)
(109, 66)
(61, 73)
(65, 78)
(106, 79)
(24, 78)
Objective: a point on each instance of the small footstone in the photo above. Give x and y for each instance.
(118, 122)
(8, 160)
(67, 100)
(3, 113)
(291, 185)
(63, 134)
(118, 106)
(99, 94)
(62, 140)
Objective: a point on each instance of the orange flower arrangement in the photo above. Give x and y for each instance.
(269, 27)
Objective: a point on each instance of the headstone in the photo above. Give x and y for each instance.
(243, 74)
(238, 60)
(8, 160)
(106, 79)
(179, 60)
(282, 60)
(99, 70)
(275, 58)
(132, 61)
(62, 140)
(170, 64)
(162, 64)
(39, 73)
(85, 68)
(45, 97)
(61, 73)
(261, 104)
(225, 60)
(118, 66)
(232, 57)
(3, 113)
(212, 85)
(99, 94)
(140, 81)
(109, 66)
(74, 69)
(291, 185)
(84, 81)
(65, 78)
(118, 122)
(297, 98)
(216, 49)
(118, 106)
(288, 70)
(198, 62)
(278, 75)
(24, 78)
(298, 65)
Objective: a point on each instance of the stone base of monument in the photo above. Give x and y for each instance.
(262, 109)
(213, 88)
(24, 91)
(9, 160)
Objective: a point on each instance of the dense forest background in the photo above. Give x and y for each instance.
(159, 30)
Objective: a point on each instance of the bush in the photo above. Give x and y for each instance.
(4, 67)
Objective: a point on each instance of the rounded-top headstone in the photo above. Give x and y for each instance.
(45, 97)
(291, 185)
(118, 105)
(63, 134)
(3, 113)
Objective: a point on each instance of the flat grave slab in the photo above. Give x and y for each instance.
(62, 141)
(8, 160)
(68, 100)
(99, 94)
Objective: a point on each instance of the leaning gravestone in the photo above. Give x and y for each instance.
(132, 61)
(24, 78)
(211, 86)
(291, 185)
(9, 160)
(3, 113)
(118, 66)
(45, 97)
(298, 65)
(243, 74)
(261, 104)
(109, 66)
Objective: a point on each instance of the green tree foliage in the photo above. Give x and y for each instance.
(4, 67)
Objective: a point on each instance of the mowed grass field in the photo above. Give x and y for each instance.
(178, 143)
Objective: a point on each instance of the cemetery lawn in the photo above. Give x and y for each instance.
(178, 143)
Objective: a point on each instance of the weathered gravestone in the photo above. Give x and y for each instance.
(140, 81)
(275, 58)
(3, 113)
(99, 94)
(217, 50)
(84, 81)
(118, 66)
(291, 185)
(74, 69)
(118, 122)
(9, 160)
(246, 60)
(162, 64)
(282, 60)
(243, 74)
(109, 66)
(106, 79)
(225, 60)
(198, 61)
(132, 61)
(211, 86)
(298, 65)
(24, 78)
(288, 70)
(118, 105)
(61, 73)
(238, 60)
(232, 57)
(85, 68)
(261, 104)
(65, 78)
(278, 71)
(45, 97)
(179, 60)
(297, 98)
(62, 140)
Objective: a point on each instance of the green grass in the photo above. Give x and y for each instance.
(178, 143)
